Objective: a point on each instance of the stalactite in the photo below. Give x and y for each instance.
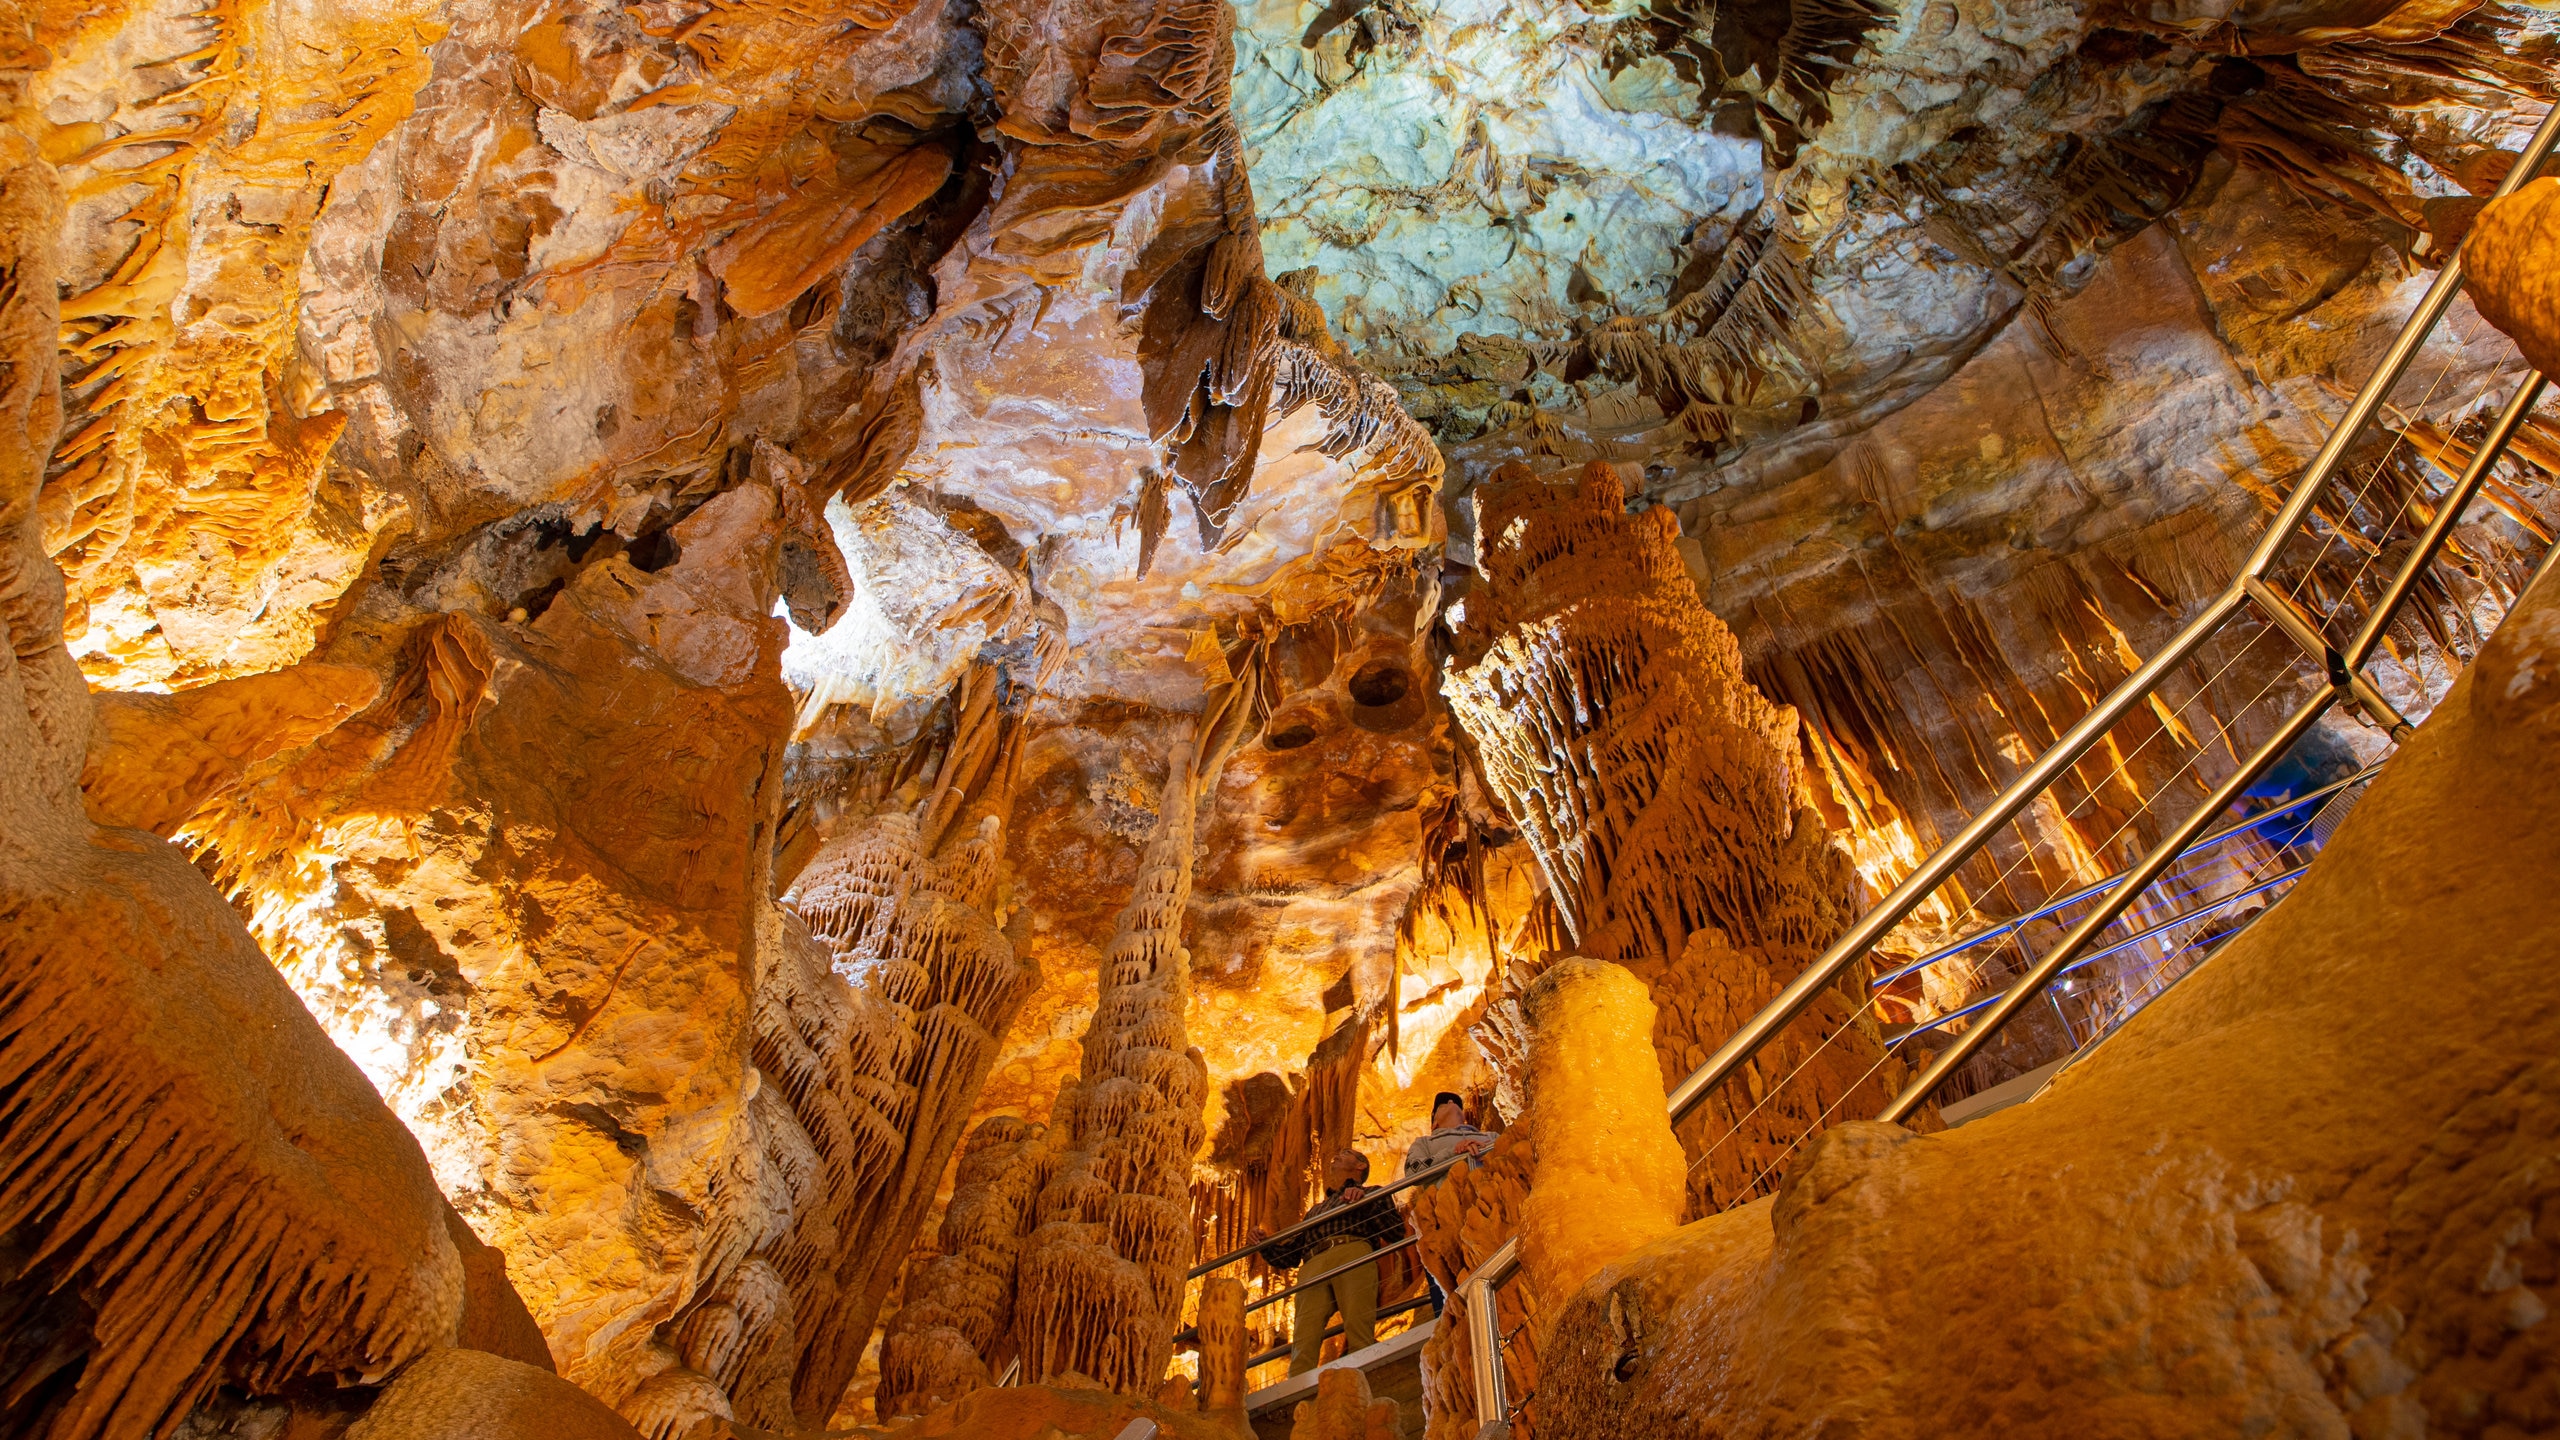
(1101, 1279)
(1658, 791)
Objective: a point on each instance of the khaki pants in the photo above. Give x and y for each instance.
(1353, 1292)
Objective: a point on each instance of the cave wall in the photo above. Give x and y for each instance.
(2301, 1191)
(202, 1199)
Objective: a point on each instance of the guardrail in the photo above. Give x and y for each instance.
(2341, 666)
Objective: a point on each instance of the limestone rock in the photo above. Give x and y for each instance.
(194, 1183)
(451, 1394)
(2384, 1270)
(154, 760)
(1609, 1178)
(2509, 265)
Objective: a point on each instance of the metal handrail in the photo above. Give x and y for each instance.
(1484, 1331)
(1265, 1357)
(1428, 1172)
(2236, 827)
(2342, 669)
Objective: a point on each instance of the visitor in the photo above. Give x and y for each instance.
(2317, 760)
(1349, 1223)
(1451, 1136)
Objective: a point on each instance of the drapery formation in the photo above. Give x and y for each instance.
(1660, 794)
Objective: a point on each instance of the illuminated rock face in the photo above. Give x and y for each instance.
(2385, 1271)
(527, 890)
(1659, 791)
(1609, 1177)
(1099, 1286)
(196, 1187)
(2509, 265)
(459, 395)
(592, 338)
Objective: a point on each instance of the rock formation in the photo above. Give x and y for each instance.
(2508, 261)
(526, 888)
(196, 1187)
(906, 906)
(1659, 790)
(955, 1333)
(1605, 1182)
(1463, 1220)
(657, 554)
(2387, 1270)
(1343, 1410)
(1099, 1289)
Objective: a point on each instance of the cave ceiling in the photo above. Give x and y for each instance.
(539, 480)
(380, 312)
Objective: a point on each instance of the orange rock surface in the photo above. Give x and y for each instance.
(2507, 262)
(1660, 793)
(2303, 1192)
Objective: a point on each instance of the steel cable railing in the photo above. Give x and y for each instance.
(2340, 667)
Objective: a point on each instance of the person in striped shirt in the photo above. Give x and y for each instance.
(1350, 1223)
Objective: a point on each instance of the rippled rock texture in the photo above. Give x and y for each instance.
(659, 555)
(2160, 1243)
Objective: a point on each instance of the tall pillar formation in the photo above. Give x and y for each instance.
(1100, 1284)
(1658, 791)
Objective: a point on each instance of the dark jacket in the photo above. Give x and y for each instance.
(1350, 1213)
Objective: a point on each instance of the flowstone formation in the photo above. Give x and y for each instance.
(2388, 1270)
(1659, 791)
(1064, 1248)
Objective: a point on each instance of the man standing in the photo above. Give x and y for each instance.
(1451, 1136)
(1349, 1224)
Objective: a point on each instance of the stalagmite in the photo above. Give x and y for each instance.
(955, 1332)
(875, 1032)
(1609, 1176)
(1344, 1410)
(1223, 1342)
(1100, 1290)
(1658, 791)
(2508, 260)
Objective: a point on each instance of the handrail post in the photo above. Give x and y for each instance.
(2282, 613)
(1484, 1333)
